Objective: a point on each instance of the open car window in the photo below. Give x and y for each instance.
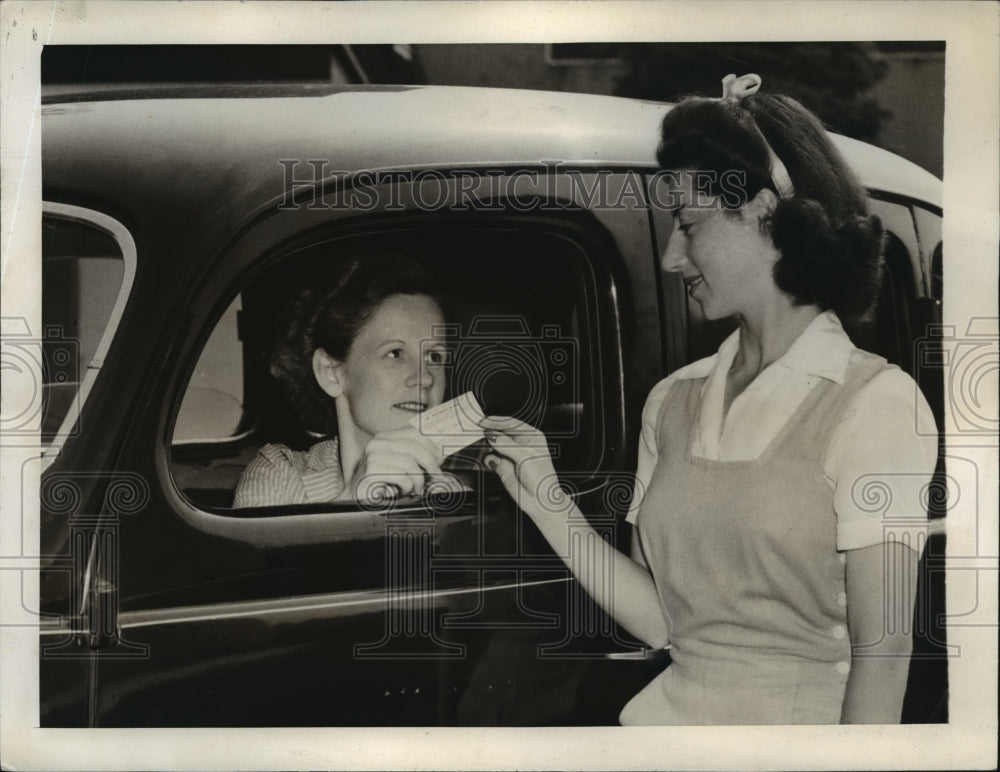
(522, 336)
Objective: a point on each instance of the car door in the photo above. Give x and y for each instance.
(440, 611)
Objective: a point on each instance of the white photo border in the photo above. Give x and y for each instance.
(970, 31)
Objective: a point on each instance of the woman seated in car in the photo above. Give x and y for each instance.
(784, 596)
(361, 357)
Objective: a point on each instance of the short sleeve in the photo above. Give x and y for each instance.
(270, 479)
(881, 466)
(648, 454)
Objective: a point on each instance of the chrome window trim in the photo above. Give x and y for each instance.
(325, 606)
(922, 224)
(212, 440)
(126, 244)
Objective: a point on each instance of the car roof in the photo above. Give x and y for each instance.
(225, 140)
(881, 170)
(367, 128)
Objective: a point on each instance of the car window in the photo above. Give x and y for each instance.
(212, 408)
(88, 262)
(522, 332)
(929, 234)
(889, 331)
(897, 220)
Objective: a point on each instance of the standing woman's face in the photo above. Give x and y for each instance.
(725, 258)
(395, 367)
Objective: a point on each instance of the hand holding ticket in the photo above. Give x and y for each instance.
(452, 425)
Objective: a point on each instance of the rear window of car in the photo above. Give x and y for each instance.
(88, 262)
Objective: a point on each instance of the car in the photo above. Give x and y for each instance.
(177, 220)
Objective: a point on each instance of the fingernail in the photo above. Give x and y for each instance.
(491, 463)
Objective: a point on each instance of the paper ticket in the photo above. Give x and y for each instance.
(452, 425)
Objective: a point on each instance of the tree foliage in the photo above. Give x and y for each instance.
(831, 79)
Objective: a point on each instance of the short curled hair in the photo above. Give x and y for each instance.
(830, 246)
(329, 316)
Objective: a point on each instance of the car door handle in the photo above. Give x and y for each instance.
(646, 655)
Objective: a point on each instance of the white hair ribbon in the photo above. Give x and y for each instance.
(735, 89)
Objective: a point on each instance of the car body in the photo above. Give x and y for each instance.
(176, 220)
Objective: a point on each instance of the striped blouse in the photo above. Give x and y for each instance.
(279, 475)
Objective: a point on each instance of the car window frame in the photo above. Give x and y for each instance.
(900, 224)
(129, 254)
(929, 223)
(315, 523)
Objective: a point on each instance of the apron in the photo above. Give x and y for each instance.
(744, 557)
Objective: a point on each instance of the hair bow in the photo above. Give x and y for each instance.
(735, 89)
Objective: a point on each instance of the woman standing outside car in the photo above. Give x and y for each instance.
(782, 599)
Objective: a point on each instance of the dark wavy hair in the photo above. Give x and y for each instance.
(830, 246)
(329, 316)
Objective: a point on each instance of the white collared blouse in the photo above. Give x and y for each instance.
(877, 462)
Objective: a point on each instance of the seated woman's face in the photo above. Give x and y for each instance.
(395, 367)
